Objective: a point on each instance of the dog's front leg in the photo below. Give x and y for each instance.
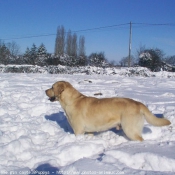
(78, 131)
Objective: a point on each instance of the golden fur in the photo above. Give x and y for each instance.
(90, 114)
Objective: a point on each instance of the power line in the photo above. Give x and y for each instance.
(141, 25)
(99, 28)
(52, 34)
(25, 37)
(155, 24)
(92, 29)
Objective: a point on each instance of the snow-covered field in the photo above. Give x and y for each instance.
(35, 137)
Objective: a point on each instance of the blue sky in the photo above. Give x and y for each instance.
(21, 18)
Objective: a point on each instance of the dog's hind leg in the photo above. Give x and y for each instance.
(133, 134)
(133, 128)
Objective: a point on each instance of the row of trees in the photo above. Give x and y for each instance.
(153, 59)
(39, 56)
(67, 43)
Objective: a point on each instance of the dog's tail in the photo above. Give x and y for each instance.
(152, 119)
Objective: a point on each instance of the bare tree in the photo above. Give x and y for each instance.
(60, 41)
(82, 59)
(170, 60)
(74, 45)
(69, 43)
(14, 48)
(70, 46)
(26, 56)
(81, 51)
(124, 61)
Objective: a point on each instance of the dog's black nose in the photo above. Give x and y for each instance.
(52, 99)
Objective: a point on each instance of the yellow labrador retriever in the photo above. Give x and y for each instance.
(89, 114)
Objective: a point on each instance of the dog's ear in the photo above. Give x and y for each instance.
(59, 89)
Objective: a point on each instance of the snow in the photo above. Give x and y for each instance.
(35, 137)
(145, 56)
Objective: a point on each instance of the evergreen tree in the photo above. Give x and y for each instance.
(4, 54)
(41, 55)
(98, 59)
(33, 54)
(82, 61)
(42, 52)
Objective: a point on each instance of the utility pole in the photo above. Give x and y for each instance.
(130, 40)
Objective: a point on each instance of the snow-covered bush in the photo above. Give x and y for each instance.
(86, 70)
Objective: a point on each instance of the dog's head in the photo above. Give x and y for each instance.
(57, 89)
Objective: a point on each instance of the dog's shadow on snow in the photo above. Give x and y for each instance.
(61, 120)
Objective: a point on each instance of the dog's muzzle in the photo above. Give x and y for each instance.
(52, 99)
